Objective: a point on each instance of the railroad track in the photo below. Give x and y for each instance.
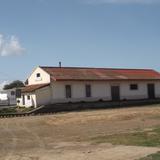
(24, 114)
(12, 115)
(55, 108)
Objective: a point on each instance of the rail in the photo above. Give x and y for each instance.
(66, 107)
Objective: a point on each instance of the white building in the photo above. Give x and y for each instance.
(3, 99)
(48, 85)
(9, 96)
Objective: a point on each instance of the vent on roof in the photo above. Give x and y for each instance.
(60, 64)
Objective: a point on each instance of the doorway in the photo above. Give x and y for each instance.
(151, 91)
(23, 100)
(115, 93)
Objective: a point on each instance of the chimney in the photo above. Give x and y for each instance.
(60, 64)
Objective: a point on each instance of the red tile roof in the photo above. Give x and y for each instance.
(32, 88)
(99, 74)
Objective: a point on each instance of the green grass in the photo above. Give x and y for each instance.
(15, 110)
(24, 109)
(155, 156)
(146, 138)
(8, 110)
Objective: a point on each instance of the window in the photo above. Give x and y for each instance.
(18, 93)
(68, 91)
(133, 87)
(12, 93)
(28, 97)
(38, 75)
(88, 90)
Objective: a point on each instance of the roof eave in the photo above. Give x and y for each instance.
(106, 80)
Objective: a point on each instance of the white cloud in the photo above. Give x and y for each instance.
(2, 84)
(10, 46)
(122, 1)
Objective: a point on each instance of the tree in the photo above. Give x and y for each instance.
(14, 84)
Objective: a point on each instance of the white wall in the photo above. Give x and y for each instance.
(39, 97)
(157, 89)
(28, 103)
(101, 90)
(126, 93)
(45, 77)
(141, 93)
(3, 99)
(43, 96)
(11, 98)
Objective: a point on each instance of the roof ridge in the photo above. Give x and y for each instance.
(147, 69)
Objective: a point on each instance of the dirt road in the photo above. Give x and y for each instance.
(66, 136)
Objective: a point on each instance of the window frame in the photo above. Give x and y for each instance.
(134, 87)
(28, 97)
(38, 75)
(13, 93)
(18, 93)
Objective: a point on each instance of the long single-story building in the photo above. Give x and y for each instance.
(49, 85)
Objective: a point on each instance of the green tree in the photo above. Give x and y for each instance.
(14, 84)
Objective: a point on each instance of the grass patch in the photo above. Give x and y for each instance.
(155, 156)
(8, 110)
(15, 110)
(146, 138)
(155, 117)
(24, 109)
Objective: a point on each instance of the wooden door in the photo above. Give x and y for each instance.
(151, 91)
(115, 93)
(23, 99)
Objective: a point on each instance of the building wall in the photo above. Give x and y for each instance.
(11, 98)
(39, 97)
(43, 96)
(126, 93)
(157, 89)
(45, 77)
(101, 90)
(3, 99)
(28, 103)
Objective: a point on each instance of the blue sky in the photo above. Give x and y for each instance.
(96, 33)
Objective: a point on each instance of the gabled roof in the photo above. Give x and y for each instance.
(32, 88)
(99, 74)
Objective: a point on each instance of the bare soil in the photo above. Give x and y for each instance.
(67, 136)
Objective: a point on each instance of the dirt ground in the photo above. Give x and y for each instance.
(67, 136)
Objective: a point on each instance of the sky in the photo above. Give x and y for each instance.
(86, 33)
